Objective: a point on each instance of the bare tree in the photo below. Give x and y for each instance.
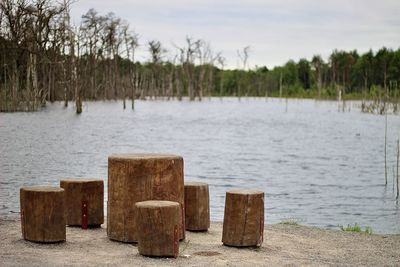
(243, 56)
(131, 43)
(206, 68)
(317, 64)
(92, 28)
(156, 52)
(221, 62)
(187, 58)
(28, 28)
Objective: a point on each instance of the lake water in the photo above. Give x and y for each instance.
(316, 165)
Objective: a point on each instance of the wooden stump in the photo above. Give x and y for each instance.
(139, 177)
(159, 223)
(243, 218)
(84, 201)
(197, 209)
(42, 214)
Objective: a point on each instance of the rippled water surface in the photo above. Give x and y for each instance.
(316, 165)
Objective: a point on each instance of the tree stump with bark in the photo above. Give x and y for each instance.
(84, 202)
(243, 218)
(139, 177)
(197, 209)
(42, 214)
(159, 223)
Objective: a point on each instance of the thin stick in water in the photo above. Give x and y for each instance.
(398, 152)
(394, 178)
(385, 148)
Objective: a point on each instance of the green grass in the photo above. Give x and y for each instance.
(356, 228)
(289, 222)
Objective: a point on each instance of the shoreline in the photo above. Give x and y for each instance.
(283, 244)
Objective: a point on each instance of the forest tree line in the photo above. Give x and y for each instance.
(45, 58)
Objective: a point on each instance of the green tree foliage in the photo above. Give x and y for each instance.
(347, 73)
(304, 70)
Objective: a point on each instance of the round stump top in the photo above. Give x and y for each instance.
(153, 204)
(80, 180)
(195, 184)
(244, 191)
(143, 156)
(42, 189)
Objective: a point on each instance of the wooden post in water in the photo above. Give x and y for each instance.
(42, 214)
(197, 208)
(84, 201)
(139, 177)
(243, 218)
(159, 223)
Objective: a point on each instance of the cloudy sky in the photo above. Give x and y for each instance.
(276, 31)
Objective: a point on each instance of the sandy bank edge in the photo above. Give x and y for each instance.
(283, 244)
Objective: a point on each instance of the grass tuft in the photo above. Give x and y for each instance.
(289, 222)
(356, 228)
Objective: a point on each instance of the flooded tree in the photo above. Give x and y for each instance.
(44, 58)
(243, 56)
(131, 43)
(317, 63)
(221, 62)
(156, 77)
(187, 61)
(28, 41)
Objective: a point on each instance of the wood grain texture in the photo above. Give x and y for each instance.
(243, 218)
(79, 190)
(158, 222)
(139, 177)
(197, 206)
(42, 214)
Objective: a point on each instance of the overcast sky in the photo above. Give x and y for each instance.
(275, 30)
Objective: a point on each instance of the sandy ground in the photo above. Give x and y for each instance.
(283, 245)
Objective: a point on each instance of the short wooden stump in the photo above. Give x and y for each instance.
(197, 206)
(139, 177)
(84, 201)
(158, 222)
(42, 214)
(243, 218)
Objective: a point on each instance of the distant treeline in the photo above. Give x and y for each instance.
(44, 58)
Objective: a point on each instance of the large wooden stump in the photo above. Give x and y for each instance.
(159, 223)
(42, 214)
(243, 218)
(139, 177)
(84, 201)
(197, 209)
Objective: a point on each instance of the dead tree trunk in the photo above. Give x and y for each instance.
(65, 85)
(15, 83)
(28, 75)
(34, 81)
(124, 84)
(178, 84)
(74, 76)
